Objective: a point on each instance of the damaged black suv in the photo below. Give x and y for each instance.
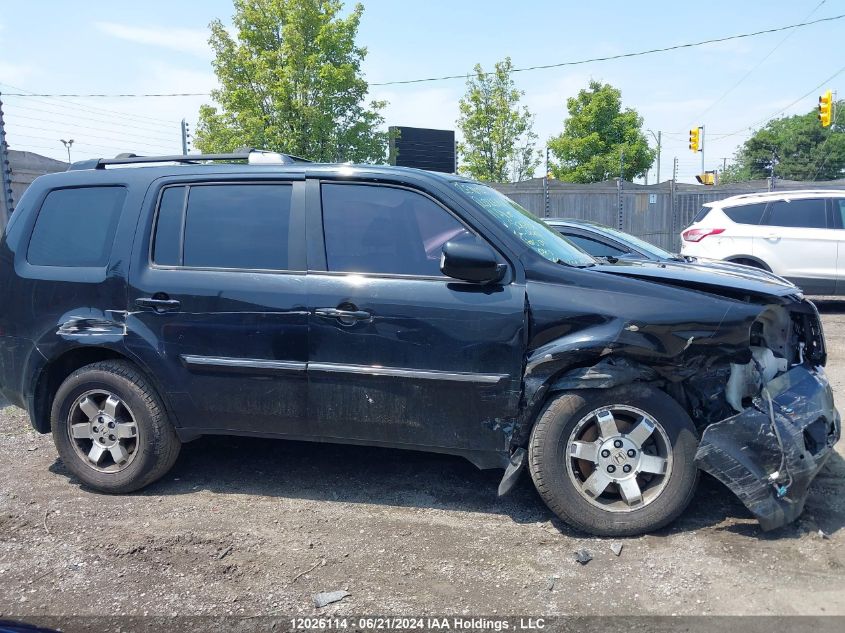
(263, 295)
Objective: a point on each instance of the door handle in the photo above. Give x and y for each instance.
(347, 317)
(159, 304)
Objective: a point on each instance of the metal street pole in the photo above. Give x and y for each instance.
(184, 138)
(702, 149)
(67, 145)
(658, 138)
(546, 187)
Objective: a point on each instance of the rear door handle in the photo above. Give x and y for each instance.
(158, 304)
(347, 317)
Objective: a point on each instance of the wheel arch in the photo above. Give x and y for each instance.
(54, 372)
(756, 261)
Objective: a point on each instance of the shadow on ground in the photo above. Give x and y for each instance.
(829, 305)
(379, 476)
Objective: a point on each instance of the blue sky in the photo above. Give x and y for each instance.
(156, 46)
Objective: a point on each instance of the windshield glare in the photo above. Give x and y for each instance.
(532, 231)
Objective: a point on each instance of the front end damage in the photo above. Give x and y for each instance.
(747, 367)
(785, 423)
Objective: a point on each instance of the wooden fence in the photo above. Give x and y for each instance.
(656, 213)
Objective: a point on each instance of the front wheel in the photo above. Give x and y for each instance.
(614, 462)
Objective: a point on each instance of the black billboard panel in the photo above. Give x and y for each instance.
(423, 148)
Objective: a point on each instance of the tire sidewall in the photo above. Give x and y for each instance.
(566, 499)
(143, 462)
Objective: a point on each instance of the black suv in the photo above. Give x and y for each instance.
(145, 306)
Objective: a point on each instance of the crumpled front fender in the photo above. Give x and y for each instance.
(744, 452)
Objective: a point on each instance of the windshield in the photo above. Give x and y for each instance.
(532, 231)
(636, 242)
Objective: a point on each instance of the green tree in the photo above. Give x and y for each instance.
(499, 138)
(595, 136)
(801, 148)
(290, 81)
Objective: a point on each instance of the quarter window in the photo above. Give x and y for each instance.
(746, 213)
(377, 229)
(805, 213)
(243, 226)
(76, 227)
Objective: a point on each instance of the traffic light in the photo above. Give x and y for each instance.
(826, 109)
(707, 178)
(694, 136)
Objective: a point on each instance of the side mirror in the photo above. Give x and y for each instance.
(471, 260)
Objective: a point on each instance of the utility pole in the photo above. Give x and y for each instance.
(184, 137)
(724, 163)
(7, 204)
(772, 173)
(659, 139)
(672, 188)
(621, 210)
(546, 201)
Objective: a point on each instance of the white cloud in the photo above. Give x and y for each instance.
(191, 41)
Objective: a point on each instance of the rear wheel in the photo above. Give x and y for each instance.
(753, 263)
(614, 462)
(110, 428)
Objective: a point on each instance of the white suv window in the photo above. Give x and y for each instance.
(839, 208)
(746, 213)
(805, 213)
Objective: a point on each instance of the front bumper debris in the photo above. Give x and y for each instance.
(743, 451)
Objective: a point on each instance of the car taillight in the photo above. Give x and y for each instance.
(696, 235)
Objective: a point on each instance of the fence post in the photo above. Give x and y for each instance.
(7, 204)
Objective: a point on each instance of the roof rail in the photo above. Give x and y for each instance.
(252, 156)
(781, 192)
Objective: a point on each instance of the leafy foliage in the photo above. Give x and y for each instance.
(499, 138)
(801, 148)
(290, 81)
(596, 134)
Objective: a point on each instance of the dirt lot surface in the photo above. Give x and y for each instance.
(257, 527)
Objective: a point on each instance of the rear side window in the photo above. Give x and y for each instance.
(224, 226)
(76, 227)
(702, 213)
(375, 229)
(807, 213)
(594, 247)
(746, 213)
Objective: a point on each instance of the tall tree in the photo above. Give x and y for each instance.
(801, 148)
(290, 81)
(598, 137)
(499, 138)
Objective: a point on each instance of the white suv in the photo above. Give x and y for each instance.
(794, 234)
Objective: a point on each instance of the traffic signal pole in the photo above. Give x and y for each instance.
(701, 147)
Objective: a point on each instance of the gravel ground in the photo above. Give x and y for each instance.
(256, 527)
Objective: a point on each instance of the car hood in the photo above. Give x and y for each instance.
(729, 279)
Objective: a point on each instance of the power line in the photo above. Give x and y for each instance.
(116, 141)
(756, 66)
(57, 117)
(624, 55)
(75, 125)
(29, 93)
(782, 110)
(464, 75)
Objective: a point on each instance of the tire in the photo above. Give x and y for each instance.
(143, 444)
(751, 263)
(564, 481)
